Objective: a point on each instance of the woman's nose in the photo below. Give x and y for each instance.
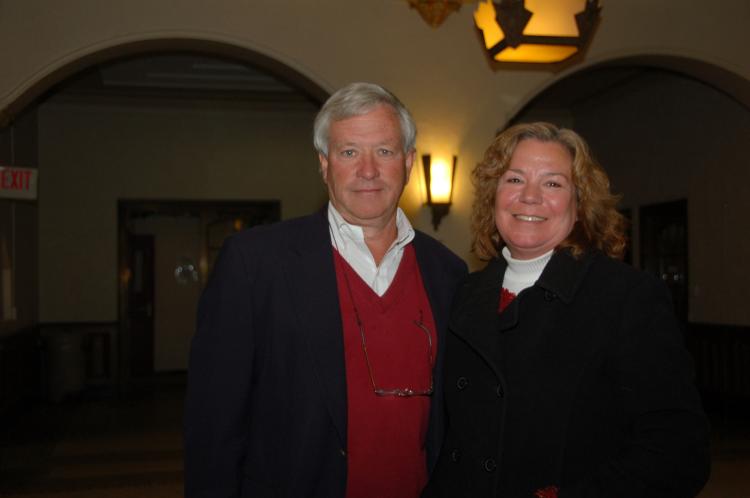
(531, 193)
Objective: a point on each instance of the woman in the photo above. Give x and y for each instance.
(565, 373)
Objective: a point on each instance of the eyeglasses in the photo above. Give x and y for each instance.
(405, 391)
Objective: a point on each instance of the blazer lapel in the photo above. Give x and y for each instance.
(437, 292)
(312, 280)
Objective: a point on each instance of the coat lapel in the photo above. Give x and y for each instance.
(436, 289)
(564, 273)
(312, 279)
(477, 321)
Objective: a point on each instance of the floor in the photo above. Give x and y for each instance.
(730, 462)
(131, 447)
(105, 447)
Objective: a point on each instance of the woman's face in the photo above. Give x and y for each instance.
(535, 203)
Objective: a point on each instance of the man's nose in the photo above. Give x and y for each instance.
(367, 167)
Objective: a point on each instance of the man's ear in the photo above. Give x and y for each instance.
(323, 160)
(409, 162)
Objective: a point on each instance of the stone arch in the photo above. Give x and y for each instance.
(668, 129)
(52, 75)
(728, 82)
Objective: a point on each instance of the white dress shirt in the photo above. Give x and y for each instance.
(349, 240)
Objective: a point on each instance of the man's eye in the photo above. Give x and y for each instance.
(347, 153)
(386, 152)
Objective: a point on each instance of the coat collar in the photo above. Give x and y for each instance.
(562, 276)
(565, 273)
(476, 319)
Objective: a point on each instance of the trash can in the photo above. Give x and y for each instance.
(65, 363)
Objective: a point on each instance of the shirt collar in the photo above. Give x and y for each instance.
(344, 233)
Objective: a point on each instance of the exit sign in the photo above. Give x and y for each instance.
(18, 183)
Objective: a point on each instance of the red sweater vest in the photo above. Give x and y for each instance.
(386, 434)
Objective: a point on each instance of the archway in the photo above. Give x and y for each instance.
(182, 144)
(671, 133)
(58, 74)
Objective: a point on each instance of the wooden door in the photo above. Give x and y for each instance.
(141, 305)
(664, 249)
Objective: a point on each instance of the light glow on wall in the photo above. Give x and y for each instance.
(441, 176)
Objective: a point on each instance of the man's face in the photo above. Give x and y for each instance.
(366, 168)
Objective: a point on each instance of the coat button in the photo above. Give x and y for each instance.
(499, 391)
(489, 465)
(462, 383)
(342, 452)
(549, 296)
(455, 456)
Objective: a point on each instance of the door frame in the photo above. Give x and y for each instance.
(652, 219)
(249, 213)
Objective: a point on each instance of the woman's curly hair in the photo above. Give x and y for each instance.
(599, 224)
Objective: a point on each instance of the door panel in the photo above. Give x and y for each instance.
(141, 309)
(664, 249)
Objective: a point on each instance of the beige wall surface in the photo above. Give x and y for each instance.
(458, 100)
(93, 156)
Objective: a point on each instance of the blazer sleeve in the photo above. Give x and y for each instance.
(219, 378)
(667, 453)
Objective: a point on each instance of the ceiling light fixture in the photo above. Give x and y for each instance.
(541, 31)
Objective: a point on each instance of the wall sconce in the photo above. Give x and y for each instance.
(554, 31)
(438, 178)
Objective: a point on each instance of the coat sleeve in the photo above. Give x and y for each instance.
(217, 405)
(666, 454)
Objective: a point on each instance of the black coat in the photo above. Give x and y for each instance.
(582, 383)
(266, 404)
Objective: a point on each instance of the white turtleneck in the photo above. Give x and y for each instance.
(522, 273)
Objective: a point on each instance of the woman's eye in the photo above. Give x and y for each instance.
(513, 180)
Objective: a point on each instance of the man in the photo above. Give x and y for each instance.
(315, 370)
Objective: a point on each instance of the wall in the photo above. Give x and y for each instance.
(91, 156)
(670, 138)
(663, 136)
(18, 228)
(441, 74)
(19, 347)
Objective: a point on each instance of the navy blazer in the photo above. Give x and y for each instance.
(266, 405)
